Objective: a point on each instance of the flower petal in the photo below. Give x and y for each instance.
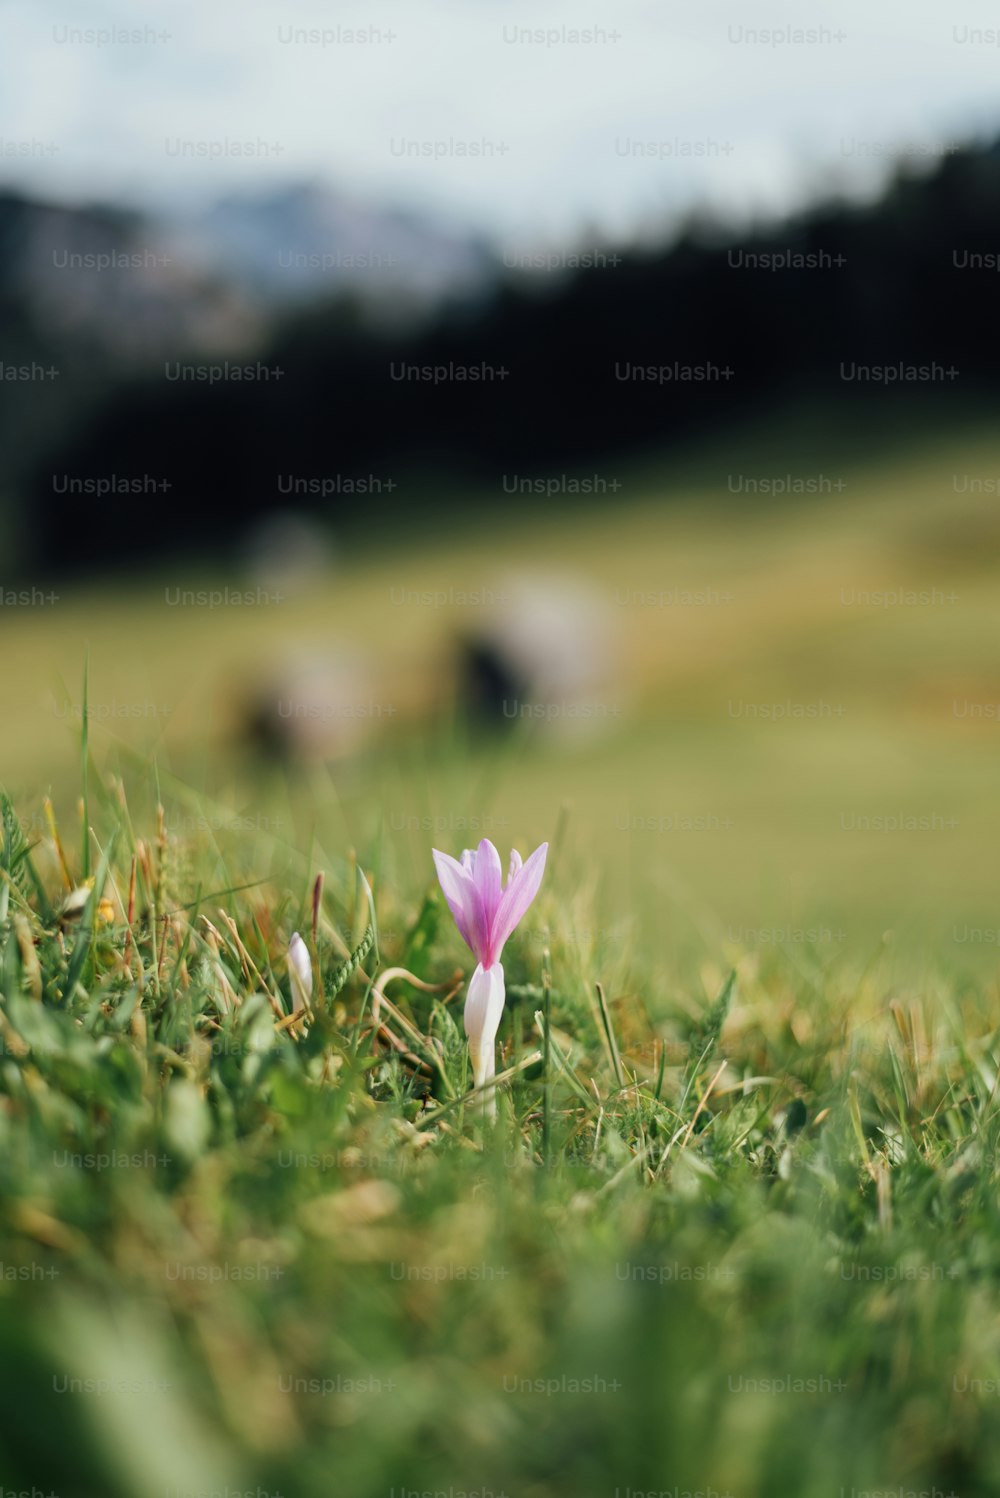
(462, 897)
(515, 864)
(489, 882)
(517, 897)
(300, 971)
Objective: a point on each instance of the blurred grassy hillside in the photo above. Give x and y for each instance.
(795, 743)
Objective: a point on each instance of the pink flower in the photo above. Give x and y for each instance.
(486, 913)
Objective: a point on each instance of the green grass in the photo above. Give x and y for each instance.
(740, 1235)
(736, 1230)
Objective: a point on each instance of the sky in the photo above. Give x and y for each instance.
(745, 109)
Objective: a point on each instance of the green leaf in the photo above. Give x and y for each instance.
(188, 1122)
(350, 965)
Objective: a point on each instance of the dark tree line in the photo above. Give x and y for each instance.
(892, 284)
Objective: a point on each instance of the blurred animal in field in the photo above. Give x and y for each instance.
(544, 655)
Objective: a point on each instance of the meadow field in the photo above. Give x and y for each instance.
(735, 1230)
